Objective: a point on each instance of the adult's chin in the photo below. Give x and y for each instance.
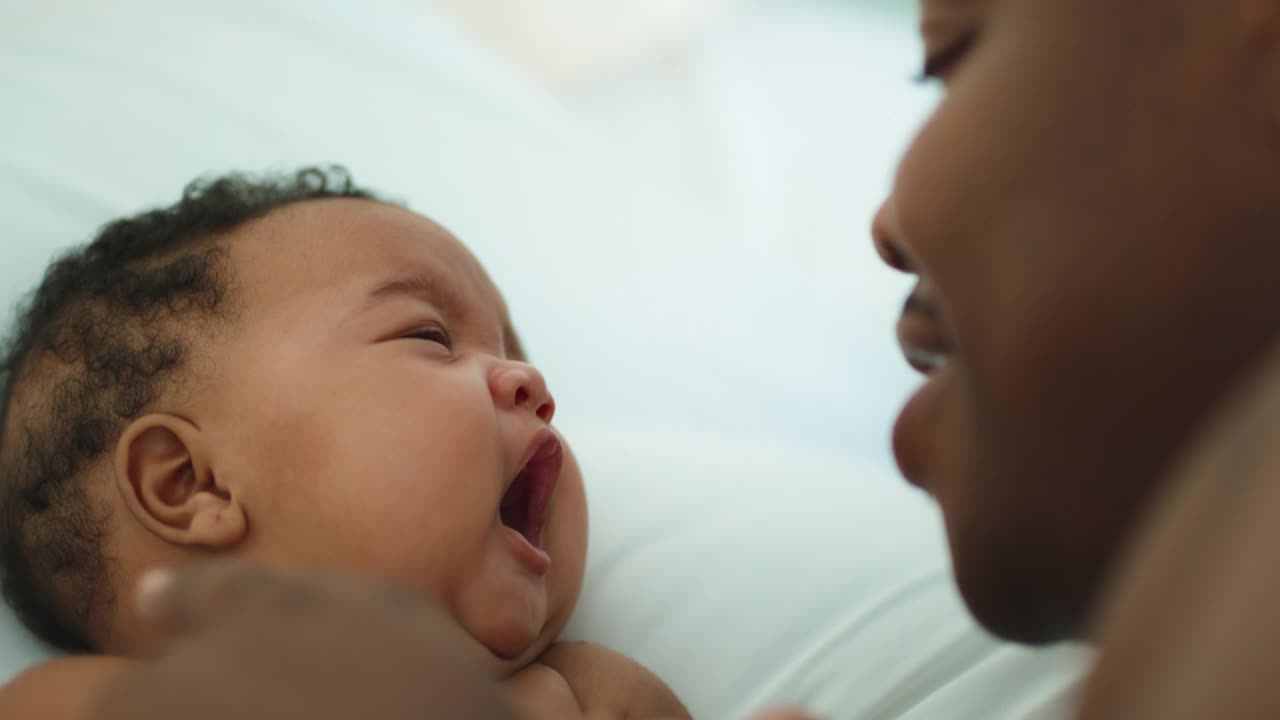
(1016, 591)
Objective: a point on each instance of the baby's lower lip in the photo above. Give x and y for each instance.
(534, 558)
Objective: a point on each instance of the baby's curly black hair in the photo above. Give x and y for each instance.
(111, 327)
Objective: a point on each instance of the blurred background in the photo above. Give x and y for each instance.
(674, 194)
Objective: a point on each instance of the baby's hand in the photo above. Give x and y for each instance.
(241, 641)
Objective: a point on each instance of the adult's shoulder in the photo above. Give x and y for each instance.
(1190, 627)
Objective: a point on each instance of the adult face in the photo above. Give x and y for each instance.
(1093, 211)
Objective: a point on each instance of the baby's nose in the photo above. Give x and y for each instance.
(517, 386)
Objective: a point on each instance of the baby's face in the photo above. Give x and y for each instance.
(369, 413)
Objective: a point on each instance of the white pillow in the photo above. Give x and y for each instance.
(751, 575)
(18, 649)
(664, 314)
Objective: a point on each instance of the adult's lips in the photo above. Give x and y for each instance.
(927, 346)
(922, 336)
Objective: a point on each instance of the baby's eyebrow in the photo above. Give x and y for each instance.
(422, 286)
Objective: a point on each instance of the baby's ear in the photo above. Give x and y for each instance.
(164, 475)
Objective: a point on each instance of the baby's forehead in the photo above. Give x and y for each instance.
(311, 262)
(342, 249)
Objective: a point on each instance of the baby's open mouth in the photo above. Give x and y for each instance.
(524, 506)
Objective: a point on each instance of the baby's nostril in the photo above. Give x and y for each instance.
(522, 396)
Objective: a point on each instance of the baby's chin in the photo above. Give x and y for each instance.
(507, 655)
(512, 645)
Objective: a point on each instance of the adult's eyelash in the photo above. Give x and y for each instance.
(939, 64)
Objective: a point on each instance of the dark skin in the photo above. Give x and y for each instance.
(245, 643)
(235, 640)
(1189, 631)
(1092, 213)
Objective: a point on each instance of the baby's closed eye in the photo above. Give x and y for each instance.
(431, 333)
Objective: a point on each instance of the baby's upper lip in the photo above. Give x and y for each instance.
(526, 500)
(922, 335)
(543, 445)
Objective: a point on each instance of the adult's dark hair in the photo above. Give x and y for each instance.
(109, 330)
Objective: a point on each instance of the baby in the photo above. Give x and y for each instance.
(291, 372)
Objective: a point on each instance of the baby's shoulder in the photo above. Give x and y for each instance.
(540, 691)
(606, 683)
(62, 689)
